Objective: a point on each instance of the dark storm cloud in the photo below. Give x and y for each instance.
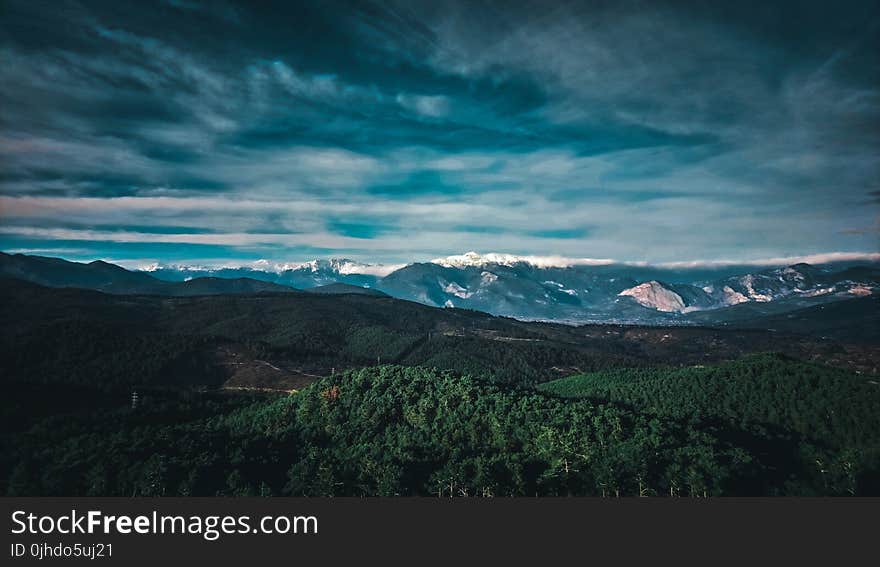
(656, 131)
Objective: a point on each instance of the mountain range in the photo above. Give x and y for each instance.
(521, 287)
(548, 289)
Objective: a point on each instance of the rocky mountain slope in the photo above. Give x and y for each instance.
(501, 284)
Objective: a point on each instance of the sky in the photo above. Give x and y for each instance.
(228, 132)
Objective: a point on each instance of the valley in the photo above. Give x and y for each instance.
(349, 391)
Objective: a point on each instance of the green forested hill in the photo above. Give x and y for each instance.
(823, 409)
(651, 411)
(815, 401)
(394, 430)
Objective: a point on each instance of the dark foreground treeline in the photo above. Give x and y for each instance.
(763, 425)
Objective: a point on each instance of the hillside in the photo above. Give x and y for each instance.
(457, 413)
(343, 288)
(285, 341)
(110, 278)
(392, 430)
(823, 411)
(816, 402)
(854, 320)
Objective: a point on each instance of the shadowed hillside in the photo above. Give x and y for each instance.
(278, 340)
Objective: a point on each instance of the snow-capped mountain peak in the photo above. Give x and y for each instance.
(475, 259)
(342, 266)
(347, 267)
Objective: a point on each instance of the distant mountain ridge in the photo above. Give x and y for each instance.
(766, 286)
(110, 278)
(520, 287)
(621, 293)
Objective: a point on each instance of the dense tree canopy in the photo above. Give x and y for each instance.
(394, 430)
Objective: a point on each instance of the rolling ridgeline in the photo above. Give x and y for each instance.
(396, 398)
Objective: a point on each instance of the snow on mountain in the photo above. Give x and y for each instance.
(748, 281)
(342, 266)
(520, 286)
(378, 270)
(267, 266)
(457, 290)
(559, 288)
(767, 286)
(815, 292)
(475, 259)
(487, 278)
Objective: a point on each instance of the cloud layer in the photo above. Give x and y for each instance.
(644, 132)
